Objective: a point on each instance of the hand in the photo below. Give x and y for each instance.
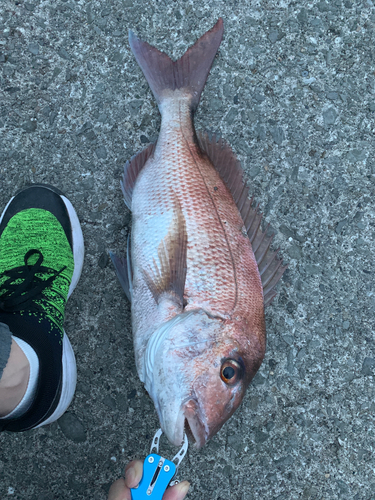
(120, 489)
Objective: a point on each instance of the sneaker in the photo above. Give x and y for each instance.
(41, 259)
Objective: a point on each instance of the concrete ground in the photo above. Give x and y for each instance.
(293, 91)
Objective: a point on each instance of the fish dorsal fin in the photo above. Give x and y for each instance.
(131, 171)
(167, 275)
(230, 170)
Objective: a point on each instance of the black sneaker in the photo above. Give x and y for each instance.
(41, 259)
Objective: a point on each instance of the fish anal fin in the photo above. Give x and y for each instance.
(230, 170)
(166, 276)
(131, 172)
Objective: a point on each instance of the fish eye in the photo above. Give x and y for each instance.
(230, 372)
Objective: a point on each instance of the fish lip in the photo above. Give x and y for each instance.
(191, 412)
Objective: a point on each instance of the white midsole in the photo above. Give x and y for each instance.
(69, 382)
(78, 244)
(5, 209)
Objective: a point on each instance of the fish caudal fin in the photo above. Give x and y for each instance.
(189, 72)
(168, 274)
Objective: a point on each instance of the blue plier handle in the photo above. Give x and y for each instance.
(158, 472)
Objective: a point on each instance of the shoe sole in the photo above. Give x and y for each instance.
(69, 367)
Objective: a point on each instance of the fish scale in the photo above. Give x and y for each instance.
(216, 261)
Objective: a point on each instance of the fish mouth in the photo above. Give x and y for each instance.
(193, 425)
(188, 421)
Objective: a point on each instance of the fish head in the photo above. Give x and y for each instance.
(198, 371)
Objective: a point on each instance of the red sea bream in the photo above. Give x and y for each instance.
(198, 270)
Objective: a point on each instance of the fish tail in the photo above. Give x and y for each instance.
(189, 72)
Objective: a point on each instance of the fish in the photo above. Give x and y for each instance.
(198, 270)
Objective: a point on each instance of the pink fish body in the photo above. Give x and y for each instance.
(192, 273)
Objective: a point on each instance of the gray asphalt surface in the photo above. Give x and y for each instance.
(293, 91)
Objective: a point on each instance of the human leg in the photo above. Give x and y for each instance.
(14, 380)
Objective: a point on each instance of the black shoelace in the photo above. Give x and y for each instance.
(17, 295)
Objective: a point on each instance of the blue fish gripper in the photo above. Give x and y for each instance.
(158, 472)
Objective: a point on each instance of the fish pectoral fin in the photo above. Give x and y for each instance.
(123, 271)
(167, 275)
(229, 168)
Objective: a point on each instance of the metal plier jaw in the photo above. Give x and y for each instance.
(158, 472)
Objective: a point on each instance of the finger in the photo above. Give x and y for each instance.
(133, 473)
(119, 491)
(177, 492)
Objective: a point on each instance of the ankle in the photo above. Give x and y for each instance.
(14, 381)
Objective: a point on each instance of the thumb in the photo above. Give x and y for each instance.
(133, 473)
